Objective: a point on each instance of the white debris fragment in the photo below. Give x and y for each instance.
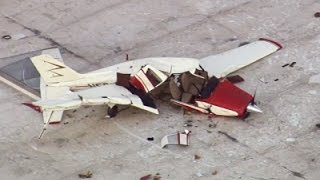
(313, 92)
(199, 174)
(290, 139)
(179, 138)
(263, 80)
(315, 79)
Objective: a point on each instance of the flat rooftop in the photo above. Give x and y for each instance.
(282, 143)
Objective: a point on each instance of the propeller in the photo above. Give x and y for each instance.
(253, 107)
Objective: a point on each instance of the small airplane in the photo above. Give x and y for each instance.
(204, 81)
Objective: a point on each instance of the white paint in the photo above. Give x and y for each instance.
(220, 111)
(220, 65)
(290, 139)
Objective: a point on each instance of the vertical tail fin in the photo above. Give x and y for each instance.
(52, 70)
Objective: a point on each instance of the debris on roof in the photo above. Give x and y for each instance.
(179, 138)
(228, 136)
(88, 174)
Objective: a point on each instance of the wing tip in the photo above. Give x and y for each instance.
(272, 41)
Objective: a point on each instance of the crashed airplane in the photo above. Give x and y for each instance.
(198, 84)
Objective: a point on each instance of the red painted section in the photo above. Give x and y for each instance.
(55, 122)
(229, 96)
(146, 177)
(34, 107)
(272, 41)
(134, 81)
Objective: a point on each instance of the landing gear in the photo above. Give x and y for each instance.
(112, 112)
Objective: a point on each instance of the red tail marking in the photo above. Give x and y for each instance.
(34, 107)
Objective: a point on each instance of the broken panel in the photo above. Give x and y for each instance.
(180, 138)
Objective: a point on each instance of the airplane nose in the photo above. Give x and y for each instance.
(253, 108)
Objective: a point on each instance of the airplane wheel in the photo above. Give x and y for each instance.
(112, 112)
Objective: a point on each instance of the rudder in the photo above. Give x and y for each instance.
(52, 70)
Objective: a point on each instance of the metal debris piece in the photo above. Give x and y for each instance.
(186, 97)
(300, 175)
(6, 37)
(317, 14)
(290, 139)
(146, 177)
(175, 91)
(180, 138)
(235, 79)
(215, 172)
(263, 80)
(289, 64)
(88, 174)
(189, 106)
(196, 157)
(148, 78)
(292, 64)
(157, 177)
(150, 138)
(192, 83)
(297, 174)
(228, 136)
(187, 125)
(123, 80)
(212, 83)
(276, 79)
(285, 65)
(214, 125)
(14, 36)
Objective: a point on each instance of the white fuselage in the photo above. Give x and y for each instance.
(108, 75)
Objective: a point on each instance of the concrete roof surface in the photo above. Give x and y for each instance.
(282, 143)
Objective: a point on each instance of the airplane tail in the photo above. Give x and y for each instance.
(52, 70)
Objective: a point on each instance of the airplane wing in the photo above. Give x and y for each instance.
(50, 93)
(220, 65)
(112, 94)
